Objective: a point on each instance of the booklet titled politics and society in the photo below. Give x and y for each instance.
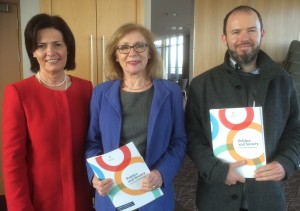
(127, 168)
(238, 134)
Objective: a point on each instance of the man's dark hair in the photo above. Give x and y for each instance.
(242, 8)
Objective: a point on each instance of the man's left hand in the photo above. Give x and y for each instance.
(270, 172)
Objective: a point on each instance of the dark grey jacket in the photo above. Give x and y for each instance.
(221, 87)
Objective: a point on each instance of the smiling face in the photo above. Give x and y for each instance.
(243, 36)
(51, 52)
(133, 63)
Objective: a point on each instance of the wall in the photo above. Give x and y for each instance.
(28, 8)
(280, 19)
(147, 13)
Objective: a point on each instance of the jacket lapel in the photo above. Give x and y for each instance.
(112, 96)
(160, 95)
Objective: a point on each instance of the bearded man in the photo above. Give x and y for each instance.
(248, 77)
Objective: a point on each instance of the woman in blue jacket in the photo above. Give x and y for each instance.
(136, 106)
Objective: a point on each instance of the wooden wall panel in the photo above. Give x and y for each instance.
(281, 23)
(280, 19)
(92, 23)
(140, 13)
(11, 68)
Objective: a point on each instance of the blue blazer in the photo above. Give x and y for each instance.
(166, 138)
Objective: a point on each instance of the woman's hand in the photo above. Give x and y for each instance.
(152, 181)
(102, 186)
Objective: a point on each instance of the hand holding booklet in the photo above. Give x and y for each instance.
(127, 168)
(238, 134)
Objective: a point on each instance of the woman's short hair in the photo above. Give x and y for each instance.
(114, 70)
(43, 21)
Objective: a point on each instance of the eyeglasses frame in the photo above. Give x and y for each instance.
(133, 47)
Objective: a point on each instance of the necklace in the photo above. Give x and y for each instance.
(135, 89)
(52, 85)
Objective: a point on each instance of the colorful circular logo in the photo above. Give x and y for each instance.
(239, 126)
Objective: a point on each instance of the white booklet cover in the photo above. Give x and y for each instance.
(126, 167)
(238, 134)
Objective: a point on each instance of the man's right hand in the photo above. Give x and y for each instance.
(233, 176)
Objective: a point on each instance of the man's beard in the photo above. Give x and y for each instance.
(244, 58)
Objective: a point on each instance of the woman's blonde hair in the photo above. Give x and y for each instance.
(113, 69)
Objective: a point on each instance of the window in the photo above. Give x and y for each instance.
(171, 51)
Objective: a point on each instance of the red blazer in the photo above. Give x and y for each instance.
(44, 134)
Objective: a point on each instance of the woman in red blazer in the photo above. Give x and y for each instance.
(45, 121)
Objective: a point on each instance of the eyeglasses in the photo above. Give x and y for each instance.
(139, 48)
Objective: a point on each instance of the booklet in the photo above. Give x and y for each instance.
(238, 134)
(127, 168)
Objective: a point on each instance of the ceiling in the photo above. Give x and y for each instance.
(171, 17)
